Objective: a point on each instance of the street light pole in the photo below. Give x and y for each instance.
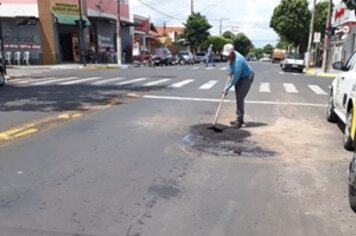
(191, 7)
(118, 34)
(311, 30)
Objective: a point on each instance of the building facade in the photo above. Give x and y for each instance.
(343, 43)
(48, 28)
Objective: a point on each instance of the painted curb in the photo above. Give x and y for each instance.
(321, 74)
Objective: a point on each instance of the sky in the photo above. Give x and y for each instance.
(250, 17)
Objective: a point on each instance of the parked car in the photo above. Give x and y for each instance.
(187, 56)
(265, 59)
(2, 75)
(293, 61)
(342, 98)
(162, 56)
(200, 57)
(352, 166)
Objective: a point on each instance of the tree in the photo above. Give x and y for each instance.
(218, 42)
(242, 43)
(290, 20)
(196, 29)
(321, 14)
(268, 49)
(228, 34)
(258, 52)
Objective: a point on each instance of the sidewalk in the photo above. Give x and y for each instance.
(319, 72)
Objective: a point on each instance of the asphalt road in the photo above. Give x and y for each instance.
(148, 165)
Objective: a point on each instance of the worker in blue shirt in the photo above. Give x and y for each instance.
(241, 78)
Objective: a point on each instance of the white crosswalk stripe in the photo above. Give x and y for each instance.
(181, 83)
(105, 81)
(77, 81)
(208, 85)
(316, 89)
(265, 88)
(51, 81)
(290, 88)
(28, 81)
(223, 68)
(131, 81)
(195, 68)
(161, 81)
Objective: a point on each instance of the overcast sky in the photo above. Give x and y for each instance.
(251, 17)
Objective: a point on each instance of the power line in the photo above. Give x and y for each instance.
(156, 10)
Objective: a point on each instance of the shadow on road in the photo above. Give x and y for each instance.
(61, 98)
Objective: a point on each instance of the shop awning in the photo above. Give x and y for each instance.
(68, 19)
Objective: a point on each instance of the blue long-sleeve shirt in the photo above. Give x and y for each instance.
(238, 69)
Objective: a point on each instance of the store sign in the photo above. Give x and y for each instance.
(65, 8)
(317, 37)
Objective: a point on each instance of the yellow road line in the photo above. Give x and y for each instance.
(26, 133)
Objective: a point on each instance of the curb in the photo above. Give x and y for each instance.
(321, 74)
(103, 67)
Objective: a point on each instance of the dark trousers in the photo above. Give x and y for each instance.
(241, 89)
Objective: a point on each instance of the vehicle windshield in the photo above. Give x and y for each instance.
(295, 56)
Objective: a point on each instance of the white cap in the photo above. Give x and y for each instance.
(228, 48)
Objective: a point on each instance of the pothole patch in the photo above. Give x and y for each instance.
(229, 142)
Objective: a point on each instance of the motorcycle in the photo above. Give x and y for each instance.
(145, 59)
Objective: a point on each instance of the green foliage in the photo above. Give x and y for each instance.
(196, 29)
(228, 34)
(349, 4)
(218, 42)
(268, 49)
(290, 20)
(258, 52)
(242, 43)
(321, 14)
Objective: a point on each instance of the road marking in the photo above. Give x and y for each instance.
(290, 88)
(156, 82)
(131, 81)
(223, 68)
(195, 68)
(104, 81)
(265, 88)
(54, 81)
(281, 73)
(28, 80)
(316, 89)
(208, 85)
(182, 83)
(79, 81)
(25, 133)
(233, 101)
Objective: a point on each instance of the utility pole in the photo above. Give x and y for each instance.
(327, 38)
(2, 48)
(191, 7)
(118, 34)
(220, 27)
(311, 31)
(82, 58)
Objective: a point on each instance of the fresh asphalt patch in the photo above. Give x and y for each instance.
(229, 142)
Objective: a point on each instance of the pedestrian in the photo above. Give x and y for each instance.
(209, 56)
(242, 77)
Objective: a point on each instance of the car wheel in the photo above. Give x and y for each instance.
(352, 197)
(330, 114)
(2, 79)
(348, 144)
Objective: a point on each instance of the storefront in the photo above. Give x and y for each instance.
(342, 43)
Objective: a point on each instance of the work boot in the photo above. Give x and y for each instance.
(237, 124)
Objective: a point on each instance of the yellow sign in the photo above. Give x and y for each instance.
(65, 8)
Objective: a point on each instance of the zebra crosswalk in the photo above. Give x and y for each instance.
(199, 84)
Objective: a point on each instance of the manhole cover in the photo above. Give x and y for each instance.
(229, 142)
